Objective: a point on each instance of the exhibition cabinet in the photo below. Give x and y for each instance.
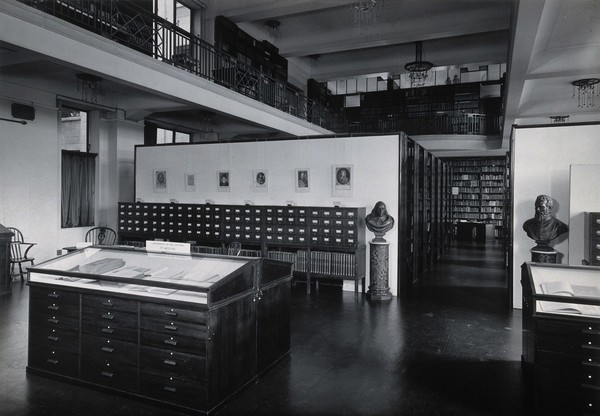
(321, 242)
(561, 338)
(187, 331)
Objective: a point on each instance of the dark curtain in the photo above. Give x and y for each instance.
(78, 187)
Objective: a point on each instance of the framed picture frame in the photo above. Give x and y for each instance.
(190, 182)
(342, 177)
(159, 180)
(302, 180)
(223, 181)
(260, 180)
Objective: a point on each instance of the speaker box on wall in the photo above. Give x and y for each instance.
(22, 111)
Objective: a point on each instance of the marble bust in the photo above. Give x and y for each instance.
(544, 227)
(379, 221)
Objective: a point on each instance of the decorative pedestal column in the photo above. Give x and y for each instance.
(543, 256)
(5, 277)
(379, 271)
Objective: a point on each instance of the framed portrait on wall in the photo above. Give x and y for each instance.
(223, 181)
(342, 177)
(159, 180)
(302, 180)
(260, 180)
(190, 182)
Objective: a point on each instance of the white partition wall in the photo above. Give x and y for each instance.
(374, 161)
(585, 197)
(541, 162)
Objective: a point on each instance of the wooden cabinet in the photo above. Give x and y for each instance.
(592, 238)
(321, 242)
(561, 339)
(189, 339)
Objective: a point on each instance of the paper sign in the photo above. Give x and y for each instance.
(168, 247)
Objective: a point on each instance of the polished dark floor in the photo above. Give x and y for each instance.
(453, 348)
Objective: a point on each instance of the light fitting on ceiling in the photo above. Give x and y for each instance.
(273, 26)
(558, 119)
(314, 60)
(366, 12)
(418, 69)
(585, 89)
(90, 87)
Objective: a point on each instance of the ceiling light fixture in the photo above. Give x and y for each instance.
(418, 69)
(585, 89)
(314, 60)
(366, 12)
(90, 87)
(273, 26)
(558, 119)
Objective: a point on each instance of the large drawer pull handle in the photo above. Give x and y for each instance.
(170, 388)
(171, 313)
(53, 320)
(171, 327)
(108, 349)
(108, 330)
(52, 338)
(591, 331)
(107, 374)
(53, 307)
(52, 361)
(108, 316)
(170, 342)
(53, 295)
(108, 303)
(170, 362)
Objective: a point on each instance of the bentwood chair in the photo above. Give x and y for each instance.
(19, 252)
(102, 236)
(234, 248)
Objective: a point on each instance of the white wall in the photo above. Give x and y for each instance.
(541, 161)
(375, 161)
(585, 197)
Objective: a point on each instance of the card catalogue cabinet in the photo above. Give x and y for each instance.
(592, 238)
(561, 338)
(292, 233)
(186, 330)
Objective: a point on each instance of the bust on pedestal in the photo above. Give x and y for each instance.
(379, 222)
(543, 228)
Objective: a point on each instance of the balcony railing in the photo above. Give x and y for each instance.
(129, 25)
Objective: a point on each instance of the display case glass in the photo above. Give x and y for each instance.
(565, 290)
(189, 278)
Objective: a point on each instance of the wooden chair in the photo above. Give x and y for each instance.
(19, 251)
(102, 236)
(234, 248)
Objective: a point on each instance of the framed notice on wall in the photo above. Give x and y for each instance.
(190, 182)
(302, 180)
(260, 180)
(159, 178)
(342, 177)
(223, 181)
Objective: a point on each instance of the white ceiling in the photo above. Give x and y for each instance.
(546, 43)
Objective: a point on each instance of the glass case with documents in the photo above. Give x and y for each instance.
(561, 337)
(187, 330)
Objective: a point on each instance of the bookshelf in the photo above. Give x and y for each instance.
(320, 242)
(479, 191)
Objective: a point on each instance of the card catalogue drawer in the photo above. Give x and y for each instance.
(54, 360)
(109, 348)
(170, 313)
(174, 342)
(180, 391)
(109, 372)
(63, 339)
(169, 362)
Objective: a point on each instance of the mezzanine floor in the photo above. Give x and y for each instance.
(452, 349)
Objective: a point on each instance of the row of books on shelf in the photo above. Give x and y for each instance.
(491, 203)
(465, 183)
(492, 183)
(477, 216)
(490, 197)
(492, 177)
(321, 262)
(482, 163)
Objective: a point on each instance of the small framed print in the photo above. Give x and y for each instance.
(343, 178)
(223, 181)
(190, 182)
(302, 180)
(159, 180)
(260, 180)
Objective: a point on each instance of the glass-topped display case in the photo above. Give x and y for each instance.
(185, 330)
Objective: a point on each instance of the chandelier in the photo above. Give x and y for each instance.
(273, 26)
(90, 87)
(585, 89)
(418, 69)
(366, 12)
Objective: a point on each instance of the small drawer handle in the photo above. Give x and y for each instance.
(170, 362)
(51, 361)
(53, 295)
(108, 316)
(107, 374)
(52, 338)
(53, 320)
(170, 342)
(170, 388)
(108, 330)
(53, 307)
(108, 349)
(171, 327)
(591, 347)
(108, 303)
(170, 313)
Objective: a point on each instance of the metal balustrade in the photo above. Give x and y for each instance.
(127, 24)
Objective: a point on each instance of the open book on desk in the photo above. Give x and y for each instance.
(561, 288)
